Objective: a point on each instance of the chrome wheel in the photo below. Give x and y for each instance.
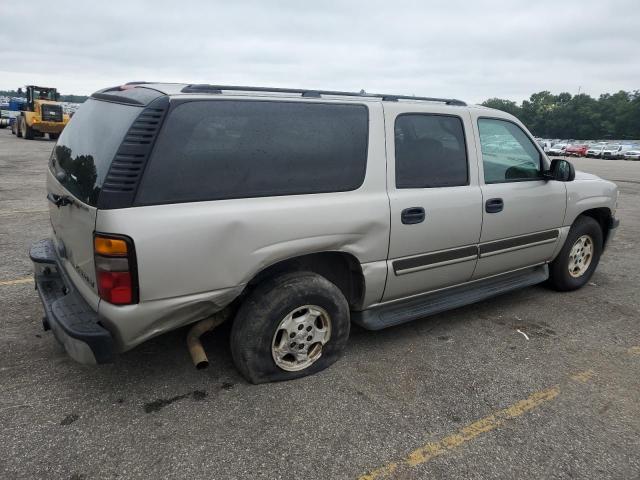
(580, 256)
(299, 338)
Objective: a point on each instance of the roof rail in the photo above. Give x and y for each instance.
(205, 88)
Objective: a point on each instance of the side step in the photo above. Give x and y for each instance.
(399, 312)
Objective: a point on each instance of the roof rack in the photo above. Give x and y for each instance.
(206, 88)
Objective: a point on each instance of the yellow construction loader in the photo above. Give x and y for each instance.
(41, 114)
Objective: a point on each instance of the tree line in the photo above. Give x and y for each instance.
(611, 116)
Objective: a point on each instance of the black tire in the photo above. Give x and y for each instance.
(53, 136)
(18, 131)
(559, 276)
(28, 132)
(262, 311)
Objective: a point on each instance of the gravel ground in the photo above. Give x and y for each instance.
(459, 395)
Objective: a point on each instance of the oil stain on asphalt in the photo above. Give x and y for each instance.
(69, 419)
(160, 403)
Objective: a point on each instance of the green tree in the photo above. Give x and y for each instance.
(614, 116)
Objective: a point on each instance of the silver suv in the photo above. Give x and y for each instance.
(293, 213)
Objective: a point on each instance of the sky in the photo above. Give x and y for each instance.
(472, 50)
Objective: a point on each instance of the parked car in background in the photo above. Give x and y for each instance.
(595, 151)
(559, 149)
(632, 154)
(615, 152)
(576, 150)
(544, 144)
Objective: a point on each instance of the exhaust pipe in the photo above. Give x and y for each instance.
(198, 355)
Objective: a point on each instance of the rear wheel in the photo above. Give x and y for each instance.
(18, 129)
(579, 256)
(53, 136)
(290, 326)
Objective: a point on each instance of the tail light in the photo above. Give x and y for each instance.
(116, 271)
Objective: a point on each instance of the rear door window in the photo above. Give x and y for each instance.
(87, 145)
(430, 151)
(221, 149)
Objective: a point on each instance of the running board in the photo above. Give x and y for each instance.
(403, 311)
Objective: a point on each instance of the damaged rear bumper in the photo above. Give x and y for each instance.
(73, 322)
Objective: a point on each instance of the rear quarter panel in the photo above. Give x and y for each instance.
(189, 248)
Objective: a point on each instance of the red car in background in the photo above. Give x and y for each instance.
(576, 150)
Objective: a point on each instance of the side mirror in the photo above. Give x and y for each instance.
(561, 170)
(19, 91)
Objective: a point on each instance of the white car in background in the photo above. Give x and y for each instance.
(557, 150)
(595, 150)
(544, 144)
(614, 152)
(633, 154)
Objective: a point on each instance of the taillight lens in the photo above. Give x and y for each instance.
(116, 269)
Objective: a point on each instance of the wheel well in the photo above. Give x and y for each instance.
(341, 269)
(603, 217)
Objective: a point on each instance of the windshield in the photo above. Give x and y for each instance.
(86, 147)
(45, 94)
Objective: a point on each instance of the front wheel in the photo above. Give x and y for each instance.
(27, 131)
(290, 326)
(579, 256)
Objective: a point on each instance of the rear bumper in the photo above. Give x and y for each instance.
(73, 322)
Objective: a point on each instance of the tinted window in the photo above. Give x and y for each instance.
(430, 151)
(88, 144)
(508, 155)
(212, 150)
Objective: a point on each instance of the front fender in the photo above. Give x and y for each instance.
(588, 194)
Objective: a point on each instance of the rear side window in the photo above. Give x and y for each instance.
(430, 151)
(210, 150)
(86, 147)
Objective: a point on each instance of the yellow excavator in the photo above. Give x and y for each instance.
(41, 114)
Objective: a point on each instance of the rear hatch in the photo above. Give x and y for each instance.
(78, 166)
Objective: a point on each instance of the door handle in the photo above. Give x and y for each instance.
(494, 205)
(58, 200)
(410, 216)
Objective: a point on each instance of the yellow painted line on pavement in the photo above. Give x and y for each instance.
(634, 351)
(432, 450)
(583, 377)
(18, 281)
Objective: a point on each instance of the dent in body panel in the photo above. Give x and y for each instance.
(134, 324)
(375, 276)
